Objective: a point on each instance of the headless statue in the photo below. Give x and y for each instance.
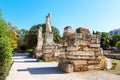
(48, 24)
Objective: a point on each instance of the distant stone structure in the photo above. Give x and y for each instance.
(81, 51)
(114, 32)
(45, 50)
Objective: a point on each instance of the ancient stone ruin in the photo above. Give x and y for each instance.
(45, 50)
(38, 50)
(81, 51)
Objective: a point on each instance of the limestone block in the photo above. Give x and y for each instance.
(57, 53)
(82, 30)
(93, 62)
(83, 43)
(47, 51)
(65, 43)
(80, 68)
(85, 49)
(77, 35)
(108, 63)
(94, 45)
(81, 53)
(94, 67)
(105, 63)
(87, 37)
(38, 53)
(80, 57)
(93, 41)
(72, 48)
(68, 31)
(66, 67)
(78, 62)
(49, 37)
(98, 40)
(47, 57)
(102, 63)
(63, 52)
(97, 53)
(62, 49)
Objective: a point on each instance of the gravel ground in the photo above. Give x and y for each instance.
(25, 68)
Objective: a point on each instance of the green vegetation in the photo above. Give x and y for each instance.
(116, 61)
(5, 50)
(22, 40)
(115, 39)
(28, 39)
(117, 45)
(105, 40)
(13, 34)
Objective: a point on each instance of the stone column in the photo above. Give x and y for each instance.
(38, 51)
(48, 24)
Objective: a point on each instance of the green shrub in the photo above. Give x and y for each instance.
(29, 50)
(5, 50)
(117, 45)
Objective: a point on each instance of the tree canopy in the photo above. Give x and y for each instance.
(105, 40)
(29, 38)
(13, 34)
(115, 39)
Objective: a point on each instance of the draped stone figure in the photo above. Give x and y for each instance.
(48, 24)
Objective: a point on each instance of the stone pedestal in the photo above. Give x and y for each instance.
(49, 38)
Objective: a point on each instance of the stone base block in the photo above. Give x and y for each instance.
(80, 68)
(79, 62)
(66, 67)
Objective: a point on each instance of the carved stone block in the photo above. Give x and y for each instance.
(72, 48)
(94, 45)
(80, 57)
(49, 38)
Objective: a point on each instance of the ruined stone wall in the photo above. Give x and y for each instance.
(81, 50)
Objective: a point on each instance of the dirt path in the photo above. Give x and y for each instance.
(25, 68)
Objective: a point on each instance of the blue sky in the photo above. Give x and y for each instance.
(97, 15)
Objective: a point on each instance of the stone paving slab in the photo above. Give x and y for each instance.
(25, 68)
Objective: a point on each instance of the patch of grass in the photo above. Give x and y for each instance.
(116, 61)
(115, 68)
(118, 73)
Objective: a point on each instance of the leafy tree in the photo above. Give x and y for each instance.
(115, 39)
(22, 40)
(117, 45)
(33, 32)
(5, 50)
(13, 34)
(56, 35)
(97, 32)
(105, 40)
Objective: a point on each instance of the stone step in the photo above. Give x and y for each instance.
(80, 57)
